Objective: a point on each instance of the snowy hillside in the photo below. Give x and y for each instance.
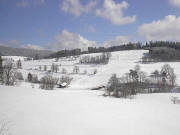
(119, 63)
(25, 109)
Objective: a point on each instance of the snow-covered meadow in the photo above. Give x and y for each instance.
(77, 110)
(120, 63)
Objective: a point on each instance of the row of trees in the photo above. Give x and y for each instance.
(161, 54)
(48, 82)
(65, 53)
(100, 59)
(175, 45)
(137, 81)
(75, 52)
(55, 68)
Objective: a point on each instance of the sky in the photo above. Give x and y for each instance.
(69, 24)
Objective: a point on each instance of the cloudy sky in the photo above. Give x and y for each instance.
(68, 24)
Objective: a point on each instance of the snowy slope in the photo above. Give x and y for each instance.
(79, 111)
(120, 63)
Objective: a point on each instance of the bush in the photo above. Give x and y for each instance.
(66, 79)
(48, 82)
(35, 78)
(95, 71)
(85, 71)
(64, 71)
(29, 77)
(54, 68)
(175, 100)
(76, 69)
(19, 76)
(101, 59)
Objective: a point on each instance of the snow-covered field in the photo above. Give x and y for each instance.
(80, 111)
(84, 112)
(120, 63)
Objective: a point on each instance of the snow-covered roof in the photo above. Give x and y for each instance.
(64, 84)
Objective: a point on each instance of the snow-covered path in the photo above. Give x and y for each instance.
(85, 112)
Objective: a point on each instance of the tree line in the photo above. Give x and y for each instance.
(99, 59)
(75, 52)
(157, 54)
(169, 44)
(137, 81)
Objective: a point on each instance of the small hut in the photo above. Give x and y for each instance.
(63, 85)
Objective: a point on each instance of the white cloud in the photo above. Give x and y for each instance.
(114, 12)
(75, 7)
(68, 40)
(34, 47)
(10, 43)
(175, 3)
(166, 29)
(27, 3)
(17, 44)
(119, 40)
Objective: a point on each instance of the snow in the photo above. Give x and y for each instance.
(76, 110)
(120, 63)
(64, 84)
(84, 112)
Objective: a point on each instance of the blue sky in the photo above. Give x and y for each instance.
(68, 24)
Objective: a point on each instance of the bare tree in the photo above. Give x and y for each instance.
(95, 71)
(9, 73)
(19, 76)
(137, 68)
(76, 69)
(54, 68)
(40, 68)
(29, 77)
(48, 82)
(19, 64)
(45, 67)
(168, 74)
(66, 79)
(85, 71)
(35, 78)
(4, 128)
(112, 84)
(64, 71)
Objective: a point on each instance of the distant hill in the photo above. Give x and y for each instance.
(8, 51)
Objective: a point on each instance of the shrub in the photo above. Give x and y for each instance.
(101, 59)
(19, 76)
(35, 78)
(29, 77)
(54, 68)
(95, 71)
(64, 71)
(19, 64)
(174, 100)
(76, 69)
(66, 79)
(48, 82)
(85, 71)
